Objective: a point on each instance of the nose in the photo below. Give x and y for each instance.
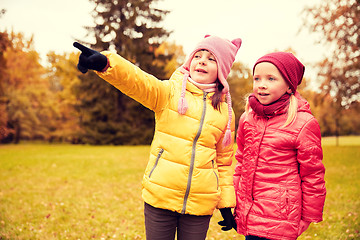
(262, 85)
(202, 61)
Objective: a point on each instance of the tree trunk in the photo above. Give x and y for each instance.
(17, 132)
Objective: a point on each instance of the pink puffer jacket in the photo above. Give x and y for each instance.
(279, 177)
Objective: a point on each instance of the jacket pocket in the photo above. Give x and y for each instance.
(217, 178)
(156, 161)
(284, 203)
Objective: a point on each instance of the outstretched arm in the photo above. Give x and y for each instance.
(125, 76)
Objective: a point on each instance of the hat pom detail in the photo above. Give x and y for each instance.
(183, 106)
(227, 137)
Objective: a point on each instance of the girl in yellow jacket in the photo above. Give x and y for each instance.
(189, 172)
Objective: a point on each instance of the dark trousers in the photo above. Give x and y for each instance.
(162, 224)
(254, 238)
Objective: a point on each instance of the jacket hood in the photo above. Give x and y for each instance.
(303, 105)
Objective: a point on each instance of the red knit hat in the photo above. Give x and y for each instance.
(291, 69)
(224, 52)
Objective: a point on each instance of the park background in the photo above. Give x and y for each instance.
(72, 145)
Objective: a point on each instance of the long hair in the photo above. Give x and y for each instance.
(217, 97)
(291, 112)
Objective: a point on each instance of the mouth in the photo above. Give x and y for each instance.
(263, 94)
(200, 70)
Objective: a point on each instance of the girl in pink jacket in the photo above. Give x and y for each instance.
(279, 176)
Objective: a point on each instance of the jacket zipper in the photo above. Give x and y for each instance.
(192, 162)
(157, 161)
(217, 178)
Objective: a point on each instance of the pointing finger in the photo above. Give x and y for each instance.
(82, 48)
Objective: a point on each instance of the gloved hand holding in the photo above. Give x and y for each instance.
(90, 59)
(229, 222)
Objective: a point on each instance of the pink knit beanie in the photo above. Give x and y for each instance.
(291, 69)
(224, 52)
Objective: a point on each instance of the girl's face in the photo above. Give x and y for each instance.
(268, 84)
(203, 67)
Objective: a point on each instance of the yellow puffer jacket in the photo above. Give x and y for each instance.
(189, 170)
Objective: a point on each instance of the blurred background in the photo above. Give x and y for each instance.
(44, 97)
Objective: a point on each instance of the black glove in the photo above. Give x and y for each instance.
(90, 59)
(229, 222)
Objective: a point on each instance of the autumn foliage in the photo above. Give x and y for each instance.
(54, 102)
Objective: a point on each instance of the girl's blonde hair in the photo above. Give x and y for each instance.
(291, 112)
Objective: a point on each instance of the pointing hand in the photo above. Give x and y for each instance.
(90, 59)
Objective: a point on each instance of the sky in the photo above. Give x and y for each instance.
(263, 25)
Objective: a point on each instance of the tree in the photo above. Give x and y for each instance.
(240, 82)
(4, 128)
(174, 58)
(4, 43)
(130, 27)
(337, 21)
(28, 105)
(64, 81)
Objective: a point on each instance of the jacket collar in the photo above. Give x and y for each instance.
(190, 87)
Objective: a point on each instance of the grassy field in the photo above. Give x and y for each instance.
(94, 192)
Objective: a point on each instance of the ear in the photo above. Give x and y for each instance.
(237, 42)
(289, 90)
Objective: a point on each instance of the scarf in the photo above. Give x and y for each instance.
(270, 109)
(210, 87)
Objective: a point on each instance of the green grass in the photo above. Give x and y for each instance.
(342, 141)
(94, 192)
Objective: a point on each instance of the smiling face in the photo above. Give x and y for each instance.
(268, 84)
(203, 67)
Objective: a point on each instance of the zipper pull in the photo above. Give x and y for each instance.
(204, 96)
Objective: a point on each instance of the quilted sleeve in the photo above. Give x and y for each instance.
(135, 83)
(312, 171)
(239, 151)
(224, 164)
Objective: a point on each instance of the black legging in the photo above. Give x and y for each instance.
(162, 224)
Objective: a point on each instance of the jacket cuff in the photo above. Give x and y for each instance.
(107, 65)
